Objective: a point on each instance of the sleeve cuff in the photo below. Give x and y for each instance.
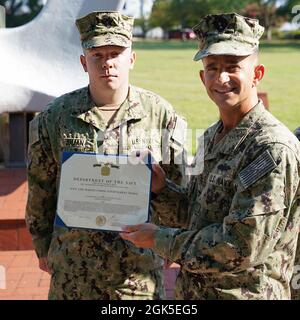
(163, 240)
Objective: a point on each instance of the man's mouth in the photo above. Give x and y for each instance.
(224, 91)
(108, 76)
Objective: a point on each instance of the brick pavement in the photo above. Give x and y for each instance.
(24, 280)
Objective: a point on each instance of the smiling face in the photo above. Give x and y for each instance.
(231, 81)
(108, 67)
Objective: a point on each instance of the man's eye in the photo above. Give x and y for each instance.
(114, 54)
(232, 68)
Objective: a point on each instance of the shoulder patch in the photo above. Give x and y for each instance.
(257, 169)
(179, 133)
(34, 131)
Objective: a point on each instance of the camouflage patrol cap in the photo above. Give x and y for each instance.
(227, 34)
(103, 28)
(297, 133)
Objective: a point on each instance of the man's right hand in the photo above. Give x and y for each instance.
(158, 174)
(43, 264)
(158, 178)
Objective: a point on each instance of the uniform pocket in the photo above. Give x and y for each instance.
(215, 199)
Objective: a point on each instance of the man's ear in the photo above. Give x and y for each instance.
(83, 62)
(202, 77)
(259, 72)
(132, 59)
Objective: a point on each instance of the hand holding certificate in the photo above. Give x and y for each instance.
(103, 192)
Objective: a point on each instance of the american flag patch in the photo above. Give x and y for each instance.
(257, 169)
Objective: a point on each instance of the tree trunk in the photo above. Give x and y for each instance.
(269, 33)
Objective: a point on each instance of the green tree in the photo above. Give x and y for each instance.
(267, 11)
(286, 9)
(186, 13)
(160, 16)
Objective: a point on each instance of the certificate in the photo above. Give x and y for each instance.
(102, 192)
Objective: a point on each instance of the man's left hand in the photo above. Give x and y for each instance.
(141, 235)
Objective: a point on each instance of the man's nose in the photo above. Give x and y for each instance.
(107, 63)
(223, 77)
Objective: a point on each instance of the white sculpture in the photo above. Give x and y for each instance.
(40, 60)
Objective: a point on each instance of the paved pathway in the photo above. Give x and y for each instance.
(25, 281)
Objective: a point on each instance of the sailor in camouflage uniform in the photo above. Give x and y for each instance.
(111, 117)
(242, 209)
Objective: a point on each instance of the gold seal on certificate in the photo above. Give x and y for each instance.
(100, 221)
(102, 192)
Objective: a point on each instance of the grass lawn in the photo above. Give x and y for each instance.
(168, 69)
